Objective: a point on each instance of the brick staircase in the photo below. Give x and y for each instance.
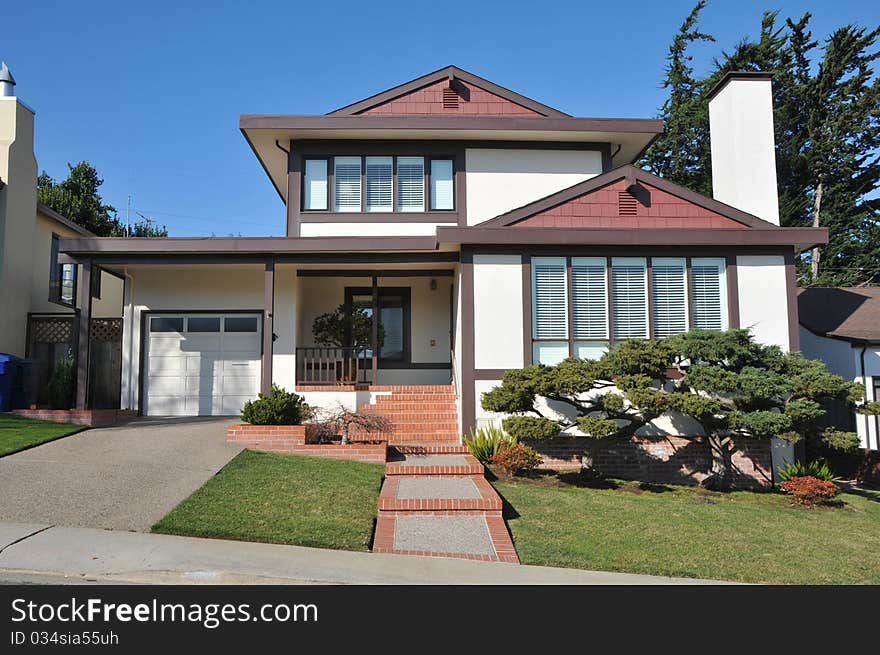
(419, 414)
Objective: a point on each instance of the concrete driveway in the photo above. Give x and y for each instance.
(124, 478)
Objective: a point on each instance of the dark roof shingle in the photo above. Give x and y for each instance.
(852, 314)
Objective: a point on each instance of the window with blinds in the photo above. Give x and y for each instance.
(550, 308)
(669, 295)
(315, 184)
(379, 180)
(411, 184)
(442, 191)
(709, 289)
(629, 289)
(347, 183)
(589, 305)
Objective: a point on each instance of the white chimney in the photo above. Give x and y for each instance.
(6, 81)
(741, 137)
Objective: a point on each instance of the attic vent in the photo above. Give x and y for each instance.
(626, 204)
(450, 99)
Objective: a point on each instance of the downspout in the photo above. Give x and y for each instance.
(129, 386)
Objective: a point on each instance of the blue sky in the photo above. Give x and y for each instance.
(150, 93)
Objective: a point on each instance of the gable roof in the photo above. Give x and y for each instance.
(449, 73)
(849, 314)
(634, 177)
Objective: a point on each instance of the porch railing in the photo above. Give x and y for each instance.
(317, 365)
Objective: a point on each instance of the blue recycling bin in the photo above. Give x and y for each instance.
(10, 372)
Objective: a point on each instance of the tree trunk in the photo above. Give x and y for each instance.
(817, 206)
(719, 475)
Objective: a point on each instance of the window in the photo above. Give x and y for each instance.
(315, 184)
(378, 184)
(347, 183)
(240, 324)
(411, 184)
(669, 296)
(203, 324)
(629, 290)
(442, 186)
(62, 278)
(709, 290)
(166, 324)
(594, 322)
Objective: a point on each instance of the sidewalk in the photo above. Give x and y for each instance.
(29, 551)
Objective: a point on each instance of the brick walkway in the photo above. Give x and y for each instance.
(436, 501)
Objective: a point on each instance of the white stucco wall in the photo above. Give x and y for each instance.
(362, 228)
(763, 299)
(498, 311)
(837, 354)
(743, 156)
(499, 180)
(18, 206)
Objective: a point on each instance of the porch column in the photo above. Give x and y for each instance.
(84, 319)
(375, 336)
(268, 339)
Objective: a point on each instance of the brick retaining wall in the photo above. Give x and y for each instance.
(673, 460)
(93, 418)
(291, 439)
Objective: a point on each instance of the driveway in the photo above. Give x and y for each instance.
(122, 478)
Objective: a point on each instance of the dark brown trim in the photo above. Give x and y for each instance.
(689, 289)
(649, 291)
(609, 296)
(243, 245)
(527, 309)
(142, 346)
(736, 75)
(450, 73)
(636, 174)
(569, 308)
(84, 318)
(268, 327)
(331, 259)
(453, 123)
(318, 216)
(468, 393)
(732, 292)
(396, 272)
(295, 171)
(801, 237)
(377, 292)
(794, 338)
(489, 373)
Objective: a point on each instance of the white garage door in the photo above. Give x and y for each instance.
(201, 364)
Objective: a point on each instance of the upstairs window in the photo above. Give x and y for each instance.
(378, 184)
(62, 279)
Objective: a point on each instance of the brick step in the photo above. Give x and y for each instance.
(416, 417)
(438, 492)
(415, 396)
(441, 464)
(439, 447)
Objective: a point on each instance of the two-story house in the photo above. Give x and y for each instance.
(477, 229)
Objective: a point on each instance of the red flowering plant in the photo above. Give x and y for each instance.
(809, 491)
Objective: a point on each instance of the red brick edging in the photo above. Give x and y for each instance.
(291, 439)
(93, 418)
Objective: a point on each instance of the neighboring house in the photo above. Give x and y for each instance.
(842, 328)
(39, 296)
(485, 230)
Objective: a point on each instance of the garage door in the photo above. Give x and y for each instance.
(201, 364)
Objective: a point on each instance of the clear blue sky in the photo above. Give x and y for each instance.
(150, 93)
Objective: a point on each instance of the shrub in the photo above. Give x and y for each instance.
(530, 427)
(278, 407)
(517, 458)
(486, 442)
(808, 491)
(818, 469)
(62, 384)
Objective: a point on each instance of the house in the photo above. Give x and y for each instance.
(477, 229)
(40, 301)
(842, 328)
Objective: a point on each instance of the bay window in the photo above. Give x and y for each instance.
(378, 184)
(581, 305)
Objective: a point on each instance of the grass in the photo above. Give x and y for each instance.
(690, 532)
(283, 499)
(17, 433)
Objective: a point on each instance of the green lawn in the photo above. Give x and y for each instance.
(681, 531)
(18, 433)
(285, 499)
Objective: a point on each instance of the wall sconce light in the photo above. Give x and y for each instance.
(433, 284)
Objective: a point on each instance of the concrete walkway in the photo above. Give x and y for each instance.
(34, 553)
(126, 477)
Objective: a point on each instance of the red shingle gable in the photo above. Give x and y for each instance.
(600, 209)
(472, 101)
